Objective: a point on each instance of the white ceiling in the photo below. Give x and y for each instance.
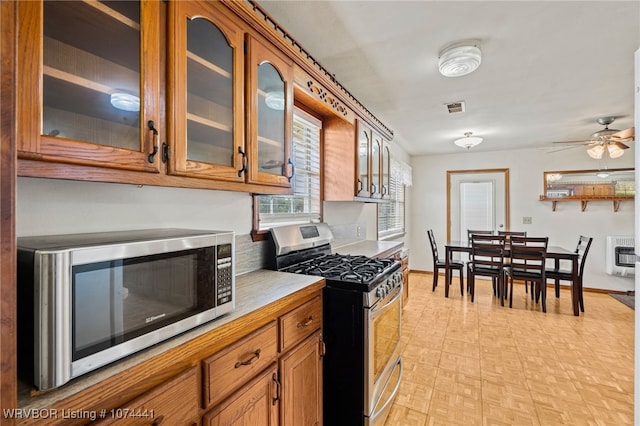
(549, 68)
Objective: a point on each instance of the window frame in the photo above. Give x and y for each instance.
(258, 234)
(397, 188)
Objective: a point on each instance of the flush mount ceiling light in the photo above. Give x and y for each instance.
(460, 59)
(125, 101)
(468, 141)
(275, 100)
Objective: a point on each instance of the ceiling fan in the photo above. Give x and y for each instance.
(605, 140)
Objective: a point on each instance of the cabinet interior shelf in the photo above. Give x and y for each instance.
(210, 66)
(585, 200)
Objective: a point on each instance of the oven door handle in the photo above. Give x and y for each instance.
(377, 309)
(393, 393)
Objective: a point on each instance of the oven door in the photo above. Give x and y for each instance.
(382, 338)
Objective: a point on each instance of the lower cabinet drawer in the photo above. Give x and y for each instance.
(174, 402)
(226, 371)
(255, 404)
(300, 323)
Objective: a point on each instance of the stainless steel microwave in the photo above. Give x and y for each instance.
(86, 300)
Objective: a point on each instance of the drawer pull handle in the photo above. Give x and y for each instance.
(157, 420)
(306, 323)
(252, 358)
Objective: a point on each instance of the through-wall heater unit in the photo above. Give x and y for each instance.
(620, 257)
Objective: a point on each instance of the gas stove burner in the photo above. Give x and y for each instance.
(347, 268)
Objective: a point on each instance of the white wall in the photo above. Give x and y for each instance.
(50, 206)
(526, 167)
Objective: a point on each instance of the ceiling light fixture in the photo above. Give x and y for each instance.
(597, 151)
(468, 141)
(275, 100)
(125, 101)
(459, 59)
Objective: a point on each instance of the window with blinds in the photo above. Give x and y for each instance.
(391, 213)
(303, 205)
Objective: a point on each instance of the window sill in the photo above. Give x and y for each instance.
(392, 236)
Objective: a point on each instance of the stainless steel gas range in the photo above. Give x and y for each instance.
(362, 311)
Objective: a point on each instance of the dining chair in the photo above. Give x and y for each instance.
(527, 256)
(557, 274)
(487, 259)
(471, 232)
(509, 234)
(441, 264)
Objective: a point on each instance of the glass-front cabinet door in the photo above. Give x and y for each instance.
(363, 164)
(99, 65)
(386, 170)
(376, 167)
(270, 112)
(205, 113)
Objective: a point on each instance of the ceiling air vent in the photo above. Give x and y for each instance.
(454, 107)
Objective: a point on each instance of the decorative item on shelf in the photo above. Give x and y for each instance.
(468, 141)
(275, 100)
(125, 101)
(460, 58)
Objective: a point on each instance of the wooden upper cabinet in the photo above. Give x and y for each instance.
(206, 75)
(376, 166)
(364, 144)
(89, 78)
(269, 114)
(386, 170)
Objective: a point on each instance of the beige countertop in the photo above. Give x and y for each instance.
(254, 290)
(370, 248)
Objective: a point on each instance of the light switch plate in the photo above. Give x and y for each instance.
(526, 220)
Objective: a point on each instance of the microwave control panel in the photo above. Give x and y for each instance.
(224, 274)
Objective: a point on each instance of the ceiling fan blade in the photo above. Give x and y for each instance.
(627, 134)
(582, 142)
(564, 148)
(619, 145)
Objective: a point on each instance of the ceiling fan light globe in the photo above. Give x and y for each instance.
(615, 151)
(596, 152)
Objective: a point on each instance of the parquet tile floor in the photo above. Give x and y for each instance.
(484, 364)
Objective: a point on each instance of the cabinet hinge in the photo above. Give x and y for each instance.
(165, 152)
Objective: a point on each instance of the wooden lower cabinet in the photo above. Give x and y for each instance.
(256, 404)
(405, 280)
(174, 402)
(301, 377)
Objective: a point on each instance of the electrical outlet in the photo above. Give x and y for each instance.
(357, 231)
(526, 220)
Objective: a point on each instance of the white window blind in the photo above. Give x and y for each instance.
(391, 213)
(303, 205)
(476, 207)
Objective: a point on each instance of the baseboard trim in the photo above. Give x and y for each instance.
(563, 286)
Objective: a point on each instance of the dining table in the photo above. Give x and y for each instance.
(556, 253)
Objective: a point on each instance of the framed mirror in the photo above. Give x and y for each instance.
(590, 183)
(584, 185)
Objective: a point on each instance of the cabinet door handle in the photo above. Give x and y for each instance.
(384, 189)
(158, 420)
(359, 185)
(253, 357)
(374, 188)
(305, 323)
(151, 125)
(293, 169)
(276, 397)
(244, 161)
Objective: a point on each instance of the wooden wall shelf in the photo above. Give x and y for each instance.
(585, 200)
